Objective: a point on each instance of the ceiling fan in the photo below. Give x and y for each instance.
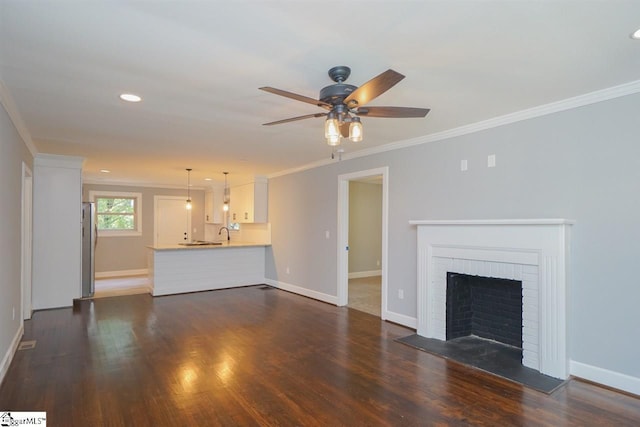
(346, 104)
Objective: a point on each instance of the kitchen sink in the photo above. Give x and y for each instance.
(200, 243)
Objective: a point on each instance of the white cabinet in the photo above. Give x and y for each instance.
(249, 202)
(208, 206)
(213, 206)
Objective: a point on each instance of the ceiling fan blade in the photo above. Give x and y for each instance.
(397, 112)
(373, 88)
(293, 119)
(297, 97)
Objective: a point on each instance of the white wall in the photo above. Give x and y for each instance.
(580, 164)
(13, 152)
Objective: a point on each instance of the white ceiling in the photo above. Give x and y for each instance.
(198, 66)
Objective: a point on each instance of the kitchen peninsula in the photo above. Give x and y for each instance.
(175, 269)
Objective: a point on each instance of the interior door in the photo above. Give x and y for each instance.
(172, 220)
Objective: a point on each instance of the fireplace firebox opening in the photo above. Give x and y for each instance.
(485, 307)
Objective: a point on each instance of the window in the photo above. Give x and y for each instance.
(117, 214)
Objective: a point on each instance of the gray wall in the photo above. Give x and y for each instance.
(130, 252)
(365, 226)
(12, 153)
(580, 164)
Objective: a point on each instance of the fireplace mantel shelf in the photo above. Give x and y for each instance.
(543, 221)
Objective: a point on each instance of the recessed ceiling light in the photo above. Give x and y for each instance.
(208, 179)
(636, 34)
(105, 171)
(130, 97)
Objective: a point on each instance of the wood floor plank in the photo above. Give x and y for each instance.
(249, 356)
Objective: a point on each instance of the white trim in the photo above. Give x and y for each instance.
(530, 113)
(11, 351)
(361, 274)
(26, 235)
(122, 273)
(16, 118)
(302, 291)
(90, 181)
(606, 377)
(343, 234)
(401, 319)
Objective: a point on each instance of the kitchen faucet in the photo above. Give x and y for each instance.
(228, 236)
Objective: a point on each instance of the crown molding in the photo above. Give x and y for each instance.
(530, 113)
(14, 115)
(142, 185)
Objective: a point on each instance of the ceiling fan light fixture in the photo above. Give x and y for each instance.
(333, 140)
(355, 130)
(331, 126)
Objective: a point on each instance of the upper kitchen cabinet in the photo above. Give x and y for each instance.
(213, 206)
(248, 202)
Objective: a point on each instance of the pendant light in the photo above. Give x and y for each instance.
(225, 206)
(189, 189)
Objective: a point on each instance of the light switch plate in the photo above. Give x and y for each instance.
(463, 165)
(491, 161)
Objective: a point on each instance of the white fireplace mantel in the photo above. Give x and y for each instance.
(534, 251)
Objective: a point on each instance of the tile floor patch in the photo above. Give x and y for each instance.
(27, 345)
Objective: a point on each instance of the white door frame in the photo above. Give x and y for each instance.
(26, 245)
(155, 216)
(343, 233)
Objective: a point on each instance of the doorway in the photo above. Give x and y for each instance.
(381, 177)
(171, 221)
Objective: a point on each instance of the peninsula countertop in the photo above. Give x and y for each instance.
(200, 246)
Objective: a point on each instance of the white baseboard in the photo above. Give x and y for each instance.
(122, 273)
(331, 299)
(11, 351)
(605, 377)
(400, 319)
(360, 274)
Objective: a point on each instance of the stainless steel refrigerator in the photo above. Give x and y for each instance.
(89, 240)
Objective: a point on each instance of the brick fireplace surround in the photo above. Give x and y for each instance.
(534, 251)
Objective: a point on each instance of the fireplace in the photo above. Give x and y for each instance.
(533, 252)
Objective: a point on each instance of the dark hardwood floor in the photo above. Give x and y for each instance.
(250, 356)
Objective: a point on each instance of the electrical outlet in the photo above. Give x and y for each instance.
(400, 294)
(378, 263)
(464, 165)
(491, 161)
(327, 235)
(288, 271)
